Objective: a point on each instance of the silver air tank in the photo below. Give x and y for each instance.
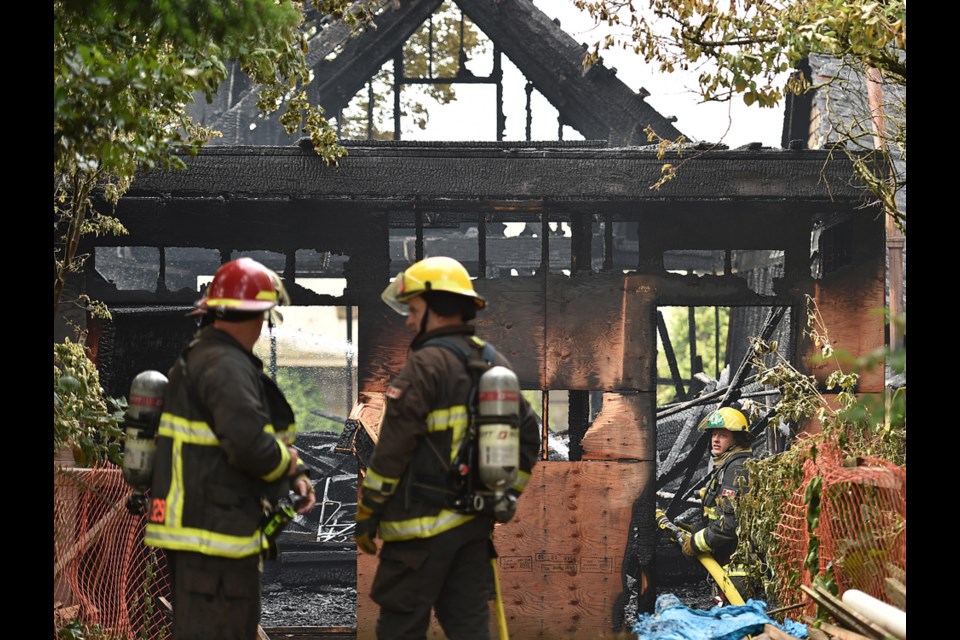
(499, 428)
(142, 419)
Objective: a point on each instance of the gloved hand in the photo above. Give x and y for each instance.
(369, 510)
(506, 507)
(687, 546)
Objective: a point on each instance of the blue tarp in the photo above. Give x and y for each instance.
(672, 620)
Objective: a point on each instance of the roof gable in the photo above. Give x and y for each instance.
(593, 100)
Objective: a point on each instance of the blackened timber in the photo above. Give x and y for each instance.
(336, 81)
(593, 101)
(671, 357)
(398, 172)
(578, 420)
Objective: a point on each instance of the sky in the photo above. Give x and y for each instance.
(671, 94)
(471, 117)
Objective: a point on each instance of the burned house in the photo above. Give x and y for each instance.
(574, 299)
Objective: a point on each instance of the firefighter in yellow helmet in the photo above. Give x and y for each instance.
(730, 446)
(436, 551)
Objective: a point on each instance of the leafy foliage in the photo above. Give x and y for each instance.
(859, 427)
(743, 46)
(124, 71)
(77, 630)
(677, 321)
(83, 418)
(750, 48)
(306, 397)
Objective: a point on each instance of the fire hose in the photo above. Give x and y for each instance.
(712, 566)
(501, 614)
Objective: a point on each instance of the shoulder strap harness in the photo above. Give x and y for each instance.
(477, 358)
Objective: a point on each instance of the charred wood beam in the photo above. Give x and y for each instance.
(581, 231)
(336, 81)
(578, 411)
(446, 174)
(595, 101)
(671, 357)
(707, 398)
(696, 364)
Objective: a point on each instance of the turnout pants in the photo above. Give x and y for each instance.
(214, 598)
(450, 573)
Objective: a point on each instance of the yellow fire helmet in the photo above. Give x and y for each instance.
(724, 418)
(438, 273)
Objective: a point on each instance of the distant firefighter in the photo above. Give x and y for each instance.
(730, 445)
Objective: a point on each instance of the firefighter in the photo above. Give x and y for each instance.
(730, 446)
(435, 554)
(223, 459)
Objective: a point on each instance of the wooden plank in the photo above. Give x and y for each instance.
(843, 613)
(838, 632)
(776, 634)
(849, 301)
(896, 591)
(817, 634)
(896, 572)
(514, 323)
(585, 331)
(622, 429)
(560, 562)
(560, 558)
(89, 537)
(369, 412)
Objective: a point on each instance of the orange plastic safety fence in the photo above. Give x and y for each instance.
(862, 525)
(104, 576)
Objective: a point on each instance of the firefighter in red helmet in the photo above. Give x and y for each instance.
(224, 458)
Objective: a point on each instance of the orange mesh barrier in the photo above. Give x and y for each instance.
(103, 574)
(862, 528)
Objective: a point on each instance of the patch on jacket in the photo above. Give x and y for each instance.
(393, 392)
(729, 493)
(158, 510)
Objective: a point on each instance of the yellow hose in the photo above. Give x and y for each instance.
(723, 580)
(711, 565)
(501, 614)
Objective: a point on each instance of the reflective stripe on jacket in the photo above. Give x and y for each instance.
(425, 420)
(221, 451)
(719, 537)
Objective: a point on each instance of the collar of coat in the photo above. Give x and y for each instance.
(212, 333)
(729, 454)
(460, 329)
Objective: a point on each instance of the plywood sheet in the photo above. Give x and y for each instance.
(850, 303)
(560, 558)
(585, 331)
(622, 429)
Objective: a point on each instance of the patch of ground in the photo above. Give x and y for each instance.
(308, 606)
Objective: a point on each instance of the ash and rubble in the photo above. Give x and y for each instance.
(313, 580)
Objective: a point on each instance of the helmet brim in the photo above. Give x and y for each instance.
(392, 293)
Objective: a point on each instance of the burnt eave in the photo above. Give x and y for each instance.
(512, 174)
